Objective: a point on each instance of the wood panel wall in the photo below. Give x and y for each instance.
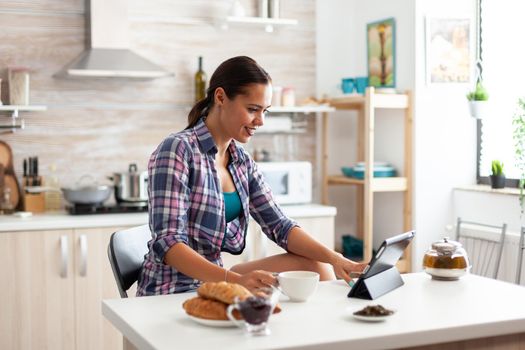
(99, 126)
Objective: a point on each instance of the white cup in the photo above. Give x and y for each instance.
(298, 285)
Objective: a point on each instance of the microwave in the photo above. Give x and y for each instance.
(291, 182)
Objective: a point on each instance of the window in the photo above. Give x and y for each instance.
(503, 55)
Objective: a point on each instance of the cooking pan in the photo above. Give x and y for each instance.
(88, 193)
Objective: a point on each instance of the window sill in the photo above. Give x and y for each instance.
(488, 189)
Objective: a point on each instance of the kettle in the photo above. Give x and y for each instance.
(446, 260)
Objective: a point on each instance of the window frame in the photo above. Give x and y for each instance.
(485, 180)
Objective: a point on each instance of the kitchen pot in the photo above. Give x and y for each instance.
(446, 260)
(131, 186)
(87, 191)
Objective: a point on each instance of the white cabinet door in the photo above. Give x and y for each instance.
(321, 228)
(94, 281)
(259, 246)
(37, 294)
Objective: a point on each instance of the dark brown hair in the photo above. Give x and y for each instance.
(233, 75)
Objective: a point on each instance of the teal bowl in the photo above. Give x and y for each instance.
(348, 171)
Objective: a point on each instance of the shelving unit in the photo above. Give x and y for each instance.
(15, 109)
(366, 107)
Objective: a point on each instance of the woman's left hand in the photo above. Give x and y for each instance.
(345, 268)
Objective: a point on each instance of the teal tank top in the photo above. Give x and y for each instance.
(232, 205)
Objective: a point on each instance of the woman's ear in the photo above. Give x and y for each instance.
(219, 96)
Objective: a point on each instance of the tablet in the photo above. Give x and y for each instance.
(386, 257)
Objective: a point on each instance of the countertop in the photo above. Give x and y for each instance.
(62, 220)
(427, 312)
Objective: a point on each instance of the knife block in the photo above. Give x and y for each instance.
(35, 202)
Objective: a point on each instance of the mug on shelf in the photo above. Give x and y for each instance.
(347, 85)
(360, 84)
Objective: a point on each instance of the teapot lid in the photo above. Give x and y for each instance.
(446, 246)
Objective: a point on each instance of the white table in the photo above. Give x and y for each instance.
(428, 312)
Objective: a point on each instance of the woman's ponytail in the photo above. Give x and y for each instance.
(197, 111)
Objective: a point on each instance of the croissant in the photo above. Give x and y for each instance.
(223, 291)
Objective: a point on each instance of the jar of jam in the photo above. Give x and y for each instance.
(446, 260)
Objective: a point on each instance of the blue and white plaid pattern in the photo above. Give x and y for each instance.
(186, 205)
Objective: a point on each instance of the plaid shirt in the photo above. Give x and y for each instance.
(186, 205)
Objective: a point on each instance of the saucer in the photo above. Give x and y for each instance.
(371, 318)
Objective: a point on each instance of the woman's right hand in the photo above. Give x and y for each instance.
(257, 279)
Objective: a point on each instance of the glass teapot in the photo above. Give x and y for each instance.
(446, 260)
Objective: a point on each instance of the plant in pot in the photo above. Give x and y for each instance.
(478, 101)
(497, 179)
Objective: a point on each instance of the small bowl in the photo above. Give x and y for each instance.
(348, 171)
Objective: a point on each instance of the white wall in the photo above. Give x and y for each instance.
(444, 134)
(341, 52)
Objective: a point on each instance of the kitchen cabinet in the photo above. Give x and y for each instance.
(366, 106)
(94, 281)
(38, 299)
(259, 246)
(57, 280)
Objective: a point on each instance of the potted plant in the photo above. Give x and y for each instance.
(497, 179)
(478, 101)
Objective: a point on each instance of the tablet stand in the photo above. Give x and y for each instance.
(374, 286)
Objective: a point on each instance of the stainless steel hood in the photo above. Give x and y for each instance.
(108, 55)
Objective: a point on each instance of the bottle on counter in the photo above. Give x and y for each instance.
(200, 82)
(53, 194)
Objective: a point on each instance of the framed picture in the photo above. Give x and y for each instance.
(381, 47)
(448, 50)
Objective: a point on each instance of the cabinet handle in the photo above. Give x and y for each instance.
(83, 255)
(64, 256)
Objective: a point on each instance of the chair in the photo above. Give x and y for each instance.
(483, 247)
(521, 249)
(126, 252)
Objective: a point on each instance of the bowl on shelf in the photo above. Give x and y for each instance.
(381, 169)
(348, 171)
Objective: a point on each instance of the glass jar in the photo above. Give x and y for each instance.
(18, 79)
(446, 260)
(288, 97)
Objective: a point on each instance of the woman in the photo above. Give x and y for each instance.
(203, 187)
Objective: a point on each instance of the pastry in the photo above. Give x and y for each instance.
(223, 291)
(208, 309)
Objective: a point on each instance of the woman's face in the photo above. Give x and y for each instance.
(244, 114)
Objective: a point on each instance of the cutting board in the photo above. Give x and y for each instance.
(10, 181)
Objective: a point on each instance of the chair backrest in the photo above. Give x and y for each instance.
(521, 250)
(484, 245)
(126, 252)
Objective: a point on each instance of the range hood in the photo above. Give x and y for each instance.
(108, 54)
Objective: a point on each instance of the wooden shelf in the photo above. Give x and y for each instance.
(366, 107)
(393, 101)
(301, 109)
(379, 184)
(15, 109)
(22, 108)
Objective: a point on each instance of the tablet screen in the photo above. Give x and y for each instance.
(388, 254)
